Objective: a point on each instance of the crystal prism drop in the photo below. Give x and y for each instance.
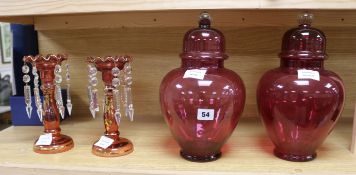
(90, 91)
(93, 81)
(25, 69)
(39, 113)
(69, 100)
(117, 117)
(115, 71)
(117, 98)
(36, 92)
(128, 80)
(38, 101)
(58, 79)
(62, 111)
(103, 104)
(28, 100)
(26, 78)
(27, 94)
(58, 95)
(128, 95)
(131, 112)
(92, 109)
(69, 104)
(36, 81)
(57, 69)
(95, 99)
(34, 70)
(116, 82)
(128, 67)
(29, 111)
(69, 108)
(67, 73)
(129, 106)
(67, 77)
(59, 100)
(92, 70)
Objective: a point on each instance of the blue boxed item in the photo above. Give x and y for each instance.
(18, 111)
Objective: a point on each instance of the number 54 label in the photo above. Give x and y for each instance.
(205, 114)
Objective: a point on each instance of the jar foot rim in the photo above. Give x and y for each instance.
(64, 143)
(207, 158)
(121, 147)
(293, 157)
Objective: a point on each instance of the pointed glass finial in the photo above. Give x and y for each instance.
(205, 20)
(305, 19)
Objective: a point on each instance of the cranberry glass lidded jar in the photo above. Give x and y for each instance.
(300, 101)
(202, 101)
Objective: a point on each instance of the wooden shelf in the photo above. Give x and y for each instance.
(152, 31)
(49, 7)
(32, 12)
(248, 151)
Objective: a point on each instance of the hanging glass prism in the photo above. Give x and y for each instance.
(27, 90)
(92, 91)
(116, 93)
(69, 100)
(129, 110)
(36, 92)
(58, 91)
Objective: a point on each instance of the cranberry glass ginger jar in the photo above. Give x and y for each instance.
(300, 101)
(202, 101)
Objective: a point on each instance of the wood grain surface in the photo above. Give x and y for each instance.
(187, 18)
(48, 7)
(247, 152)
(252, 50)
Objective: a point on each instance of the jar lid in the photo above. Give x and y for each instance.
(304, 42)
(204, 42)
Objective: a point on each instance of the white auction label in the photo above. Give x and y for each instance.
(104, 142)
(308, 74)
(205, 114)
(45, 139)
(195, 73)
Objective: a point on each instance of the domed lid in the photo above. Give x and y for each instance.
(204, 42)
(304, 42)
